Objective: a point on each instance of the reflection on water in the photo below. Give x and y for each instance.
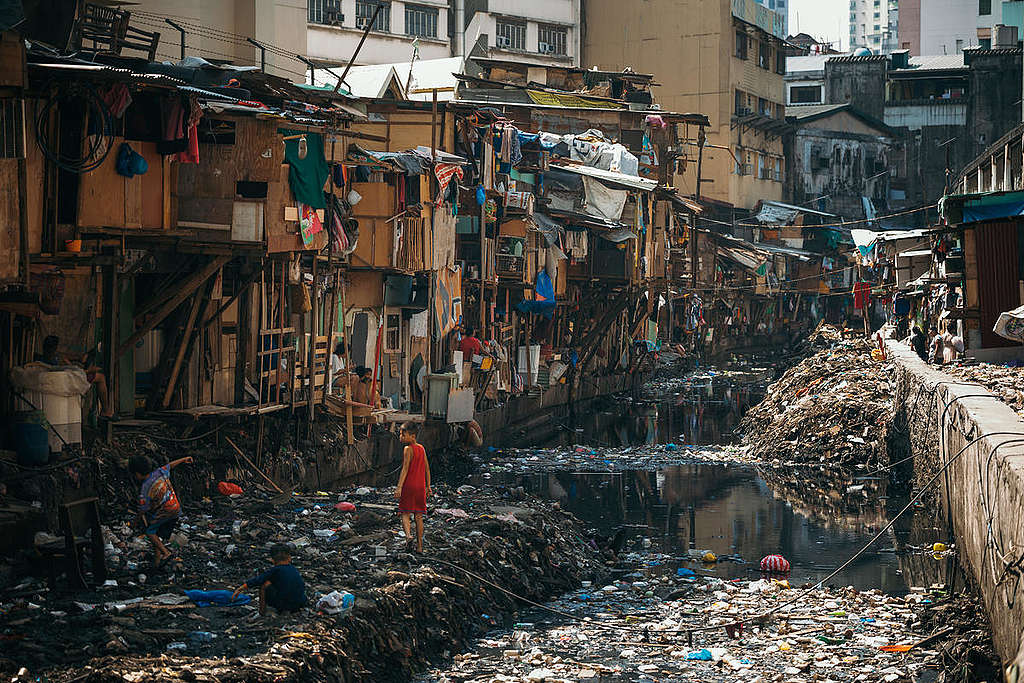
(728, 510)
(692, 418)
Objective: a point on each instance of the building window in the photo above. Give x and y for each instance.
(959, 45)
(984, 7)
(764, 57)
(420, 21)
(365, 10)
(552, 40)
(741, 44)
(985, 43)
(510, 35)
(805, 94)
(325, 12)
(780, 61)
(741, 104)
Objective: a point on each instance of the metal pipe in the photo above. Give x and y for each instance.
(263, 53)
(366, 31)
(181, 32)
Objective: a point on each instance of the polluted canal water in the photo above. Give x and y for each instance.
(663, 487)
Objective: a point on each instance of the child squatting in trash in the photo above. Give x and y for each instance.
(158, 503)
(413, 484)
(281, 586)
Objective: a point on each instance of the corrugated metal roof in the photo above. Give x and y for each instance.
(933, 63)
(803, 111)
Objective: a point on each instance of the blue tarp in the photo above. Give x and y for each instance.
(990, 211)
(544, 301)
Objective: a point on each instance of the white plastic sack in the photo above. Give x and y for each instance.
(67, 380)
(1010, 325)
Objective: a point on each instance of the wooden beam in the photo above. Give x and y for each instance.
(238, 292)
(186, 289)
(186, 341)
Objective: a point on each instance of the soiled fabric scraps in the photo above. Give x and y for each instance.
(118, 99)
(602, 201)
(217, 597)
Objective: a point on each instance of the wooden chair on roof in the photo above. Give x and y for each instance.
(80, 524)
(108, 30)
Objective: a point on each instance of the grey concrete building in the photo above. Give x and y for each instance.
(835, 157)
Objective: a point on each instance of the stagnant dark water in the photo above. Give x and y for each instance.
(725, 508)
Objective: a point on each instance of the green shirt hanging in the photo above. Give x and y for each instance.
(306, 177)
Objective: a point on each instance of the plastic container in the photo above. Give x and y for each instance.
(31, 441)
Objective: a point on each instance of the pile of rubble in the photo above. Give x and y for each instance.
(651, 625)
(408, 609)
(825, 420)
(1005, 381)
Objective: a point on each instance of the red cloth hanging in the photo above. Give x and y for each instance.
(861, 295)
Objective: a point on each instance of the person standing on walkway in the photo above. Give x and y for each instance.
(413, 484)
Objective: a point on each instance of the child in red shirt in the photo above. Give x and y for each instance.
(413, 484)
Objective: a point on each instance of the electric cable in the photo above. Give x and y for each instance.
(62, 99)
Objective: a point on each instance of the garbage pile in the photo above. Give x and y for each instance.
(1005, 381)
(651, 625)
(605, 458)
(402, 611)
(824, 423)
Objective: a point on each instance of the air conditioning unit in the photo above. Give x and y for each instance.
(545, 48)
(746, 169)
(503, 42)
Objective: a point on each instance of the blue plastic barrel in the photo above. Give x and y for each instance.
(31, 442)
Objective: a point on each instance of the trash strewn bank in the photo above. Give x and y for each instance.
(408, 609)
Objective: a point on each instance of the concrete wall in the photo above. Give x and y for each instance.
(984, 488)
(918, 116)
(859, 81)
(281, 23)
(909, 28)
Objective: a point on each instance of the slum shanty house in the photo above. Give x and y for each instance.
(190, 233)
(899, 261)
(566, 224)
(784, 268)
(976, 271)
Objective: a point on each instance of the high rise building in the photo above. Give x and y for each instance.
(946, 27)
(722, 59)
(874, 25)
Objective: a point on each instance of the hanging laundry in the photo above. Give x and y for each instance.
(861, 295)
(445, 173)
(118, 99)
(309, 223)
(306, 177)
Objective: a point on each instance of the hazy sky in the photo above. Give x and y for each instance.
(823, 19)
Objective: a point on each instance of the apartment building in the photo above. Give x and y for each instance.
(947, 27)
(401, 31)
(725, 60)
(874, 24)
(545, 32)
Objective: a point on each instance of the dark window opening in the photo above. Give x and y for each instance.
(741, 44)
(805, 94)
(248, 189)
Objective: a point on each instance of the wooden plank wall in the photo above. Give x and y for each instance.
(10, 223)
(107, 199)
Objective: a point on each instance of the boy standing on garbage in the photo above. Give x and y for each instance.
(158, 503)
(413, 484)
(281, 586)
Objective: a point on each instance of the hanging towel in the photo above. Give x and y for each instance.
(306, 177)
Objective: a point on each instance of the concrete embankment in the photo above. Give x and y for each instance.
(980, 442)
